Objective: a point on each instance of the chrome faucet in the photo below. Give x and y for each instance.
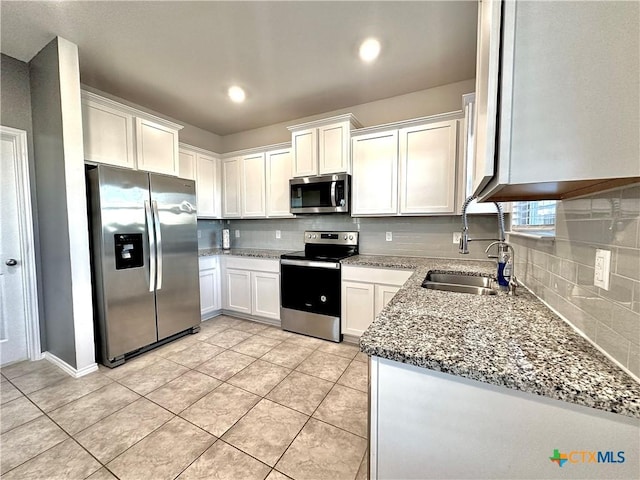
(503, 246)
(464, 238)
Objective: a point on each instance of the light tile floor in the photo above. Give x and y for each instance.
(239, 400)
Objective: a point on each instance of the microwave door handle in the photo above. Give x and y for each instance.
(333, 194)
(152, 246)
(156, 218)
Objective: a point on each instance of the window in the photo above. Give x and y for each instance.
(537, 218)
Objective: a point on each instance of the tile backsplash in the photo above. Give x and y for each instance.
(561, 271)
(411, 236)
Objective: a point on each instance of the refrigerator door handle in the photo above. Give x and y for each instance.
(156, 218)
(152, 246)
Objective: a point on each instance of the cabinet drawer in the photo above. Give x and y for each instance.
(385, 276)
(255, 264)
(208, 262)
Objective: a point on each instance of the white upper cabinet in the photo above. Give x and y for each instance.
(278, 165)
(187, 163)
(322, 147)
(428, 168)
(305, 152)
(231, 187)
(120, 135)
(406, 171)
(108, 132)
(374, 184)
(333, 148)
(253, 179)
(156, 147)
(205, 168)
(568, 110)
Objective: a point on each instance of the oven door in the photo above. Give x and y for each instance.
(326, 194)
(309, 286)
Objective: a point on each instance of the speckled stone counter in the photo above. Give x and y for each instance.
(513, 342)
(243, 252)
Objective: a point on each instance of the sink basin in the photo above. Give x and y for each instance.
(459, 279)
(459, 282)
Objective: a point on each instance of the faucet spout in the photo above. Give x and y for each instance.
(463, 247)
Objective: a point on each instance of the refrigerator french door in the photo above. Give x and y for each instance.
(145, 259)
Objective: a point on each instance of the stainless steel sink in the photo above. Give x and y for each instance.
(460, 283)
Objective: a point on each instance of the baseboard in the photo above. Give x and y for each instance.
(266, 321)
(75, 373)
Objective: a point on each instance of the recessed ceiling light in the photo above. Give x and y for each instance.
(236, 94)
(369, 50)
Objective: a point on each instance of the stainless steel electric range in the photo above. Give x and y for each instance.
(310, 284)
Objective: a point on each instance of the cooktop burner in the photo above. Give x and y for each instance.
(326, 246)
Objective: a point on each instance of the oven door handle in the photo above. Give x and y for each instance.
(310, 263)
(333, 194)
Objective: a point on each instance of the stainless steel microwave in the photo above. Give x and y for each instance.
(323, 194)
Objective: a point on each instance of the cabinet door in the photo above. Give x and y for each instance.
(357, 307)
(375, 174)
(253, 186)
(187, 164)
(237, 290)
(231, 204)
(156, 147)
(428, 168)
(279, 163)
(209, 292)
(107, 134)
(207, 189)
(265, 294)
(333, 148)
(305, 152)
(383, 294)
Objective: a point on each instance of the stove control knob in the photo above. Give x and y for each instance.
(345, 237)
(314, 235)
(323, 299)
(309, 235)
(350, 237)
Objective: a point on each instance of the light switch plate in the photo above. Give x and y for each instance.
(389, 236)
(237, 233)
(602, 268)
(456, 237)
(278, 234)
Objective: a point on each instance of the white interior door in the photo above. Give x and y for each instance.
(13, 308)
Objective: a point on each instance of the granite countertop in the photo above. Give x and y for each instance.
(513, 342)
(243, 252)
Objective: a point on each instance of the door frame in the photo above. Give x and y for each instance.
(27, 239)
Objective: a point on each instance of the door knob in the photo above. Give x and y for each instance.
(12, 262)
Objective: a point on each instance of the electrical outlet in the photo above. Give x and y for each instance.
(456, 237)
(237, 233)
(389, 236)
(278, 234)
(602, 269)
(199, 233)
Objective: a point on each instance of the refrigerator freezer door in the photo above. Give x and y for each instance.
(122, 273)
(177, 289)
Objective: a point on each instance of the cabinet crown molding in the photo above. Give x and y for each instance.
(203, 151)
(251, 151)
(412, 122)
(93, 97)
(350, 117)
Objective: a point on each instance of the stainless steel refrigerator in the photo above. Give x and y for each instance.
(144, 259)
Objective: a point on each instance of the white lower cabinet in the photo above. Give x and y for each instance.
(209, 286)
(251, 286)
(265, 301)
(365, 292)
(237, 290)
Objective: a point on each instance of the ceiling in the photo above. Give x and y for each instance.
(294, 59)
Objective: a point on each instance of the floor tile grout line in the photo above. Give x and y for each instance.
(261, 397)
